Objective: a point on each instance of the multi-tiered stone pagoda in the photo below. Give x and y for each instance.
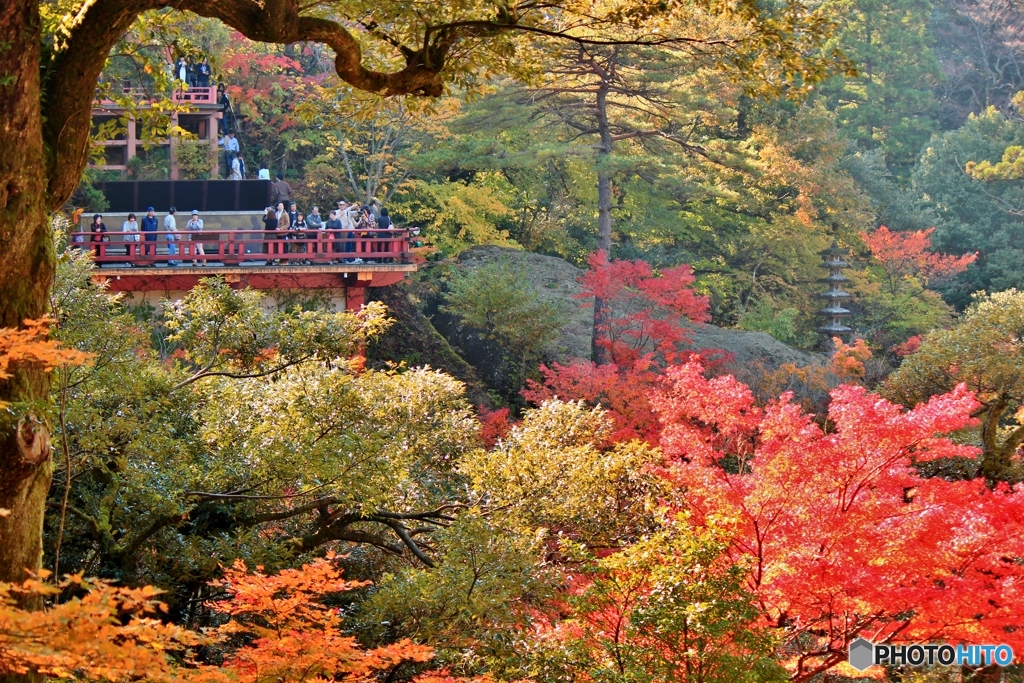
(834, 312)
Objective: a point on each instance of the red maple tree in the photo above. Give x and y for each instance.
(641, 332)
(844, 537)
(909, 253)
(646, 310)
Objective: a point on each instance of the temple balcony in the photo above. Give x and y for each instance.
(194, 109)
(336, 266)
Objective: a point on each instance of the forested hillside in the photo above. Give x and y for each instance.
(598, 436)
(677, 156)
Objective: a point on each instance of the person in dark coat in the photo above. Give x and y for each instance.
(280, 191)
(269, 225)
(203, 74)
(333, 227)
(98, 230)
(150, 226)
(384, 223)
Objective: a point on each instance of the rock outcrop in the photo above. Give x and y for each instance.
(554, 278)
(425, 335)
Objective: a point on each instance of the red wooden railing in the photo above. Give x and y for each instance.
(194, 94)
(232, 247)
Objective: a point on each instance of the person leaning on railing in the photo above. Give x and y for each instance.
(269, 227)
(195, 225)
(98, 230)
(283, 223)
(384, 223)
(130, 228)
(298, 235)
(172, 236)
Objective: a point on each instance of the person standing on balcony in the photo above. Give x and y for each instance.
(333, 227)
(293, 213)
(182, 70)
(316, 225)
(223, 123)
(171, 228)
(367, 224)
(384, 223)
(203, 74)
(298, 229)
(269, 226)
(283, 225)
(195, 225)
(347, 214)
(314, 219)
(99, 236)
(236, 169)
(280, 191)
(130, 228)
(241, 166)
(150, 225)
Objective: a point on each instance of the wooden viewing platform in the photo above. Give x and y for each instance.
(195, 110)
(344, 261)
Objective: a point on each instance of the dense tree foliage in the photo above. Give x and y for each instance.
(639, 516)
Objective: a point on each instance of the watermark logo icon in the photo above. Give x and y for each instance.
(862, 654)
(865, 654)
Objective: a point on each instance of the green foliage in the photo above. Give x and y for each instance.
(195, 159)
(502, 304)
(889, 104)
(762, 316)
(226, 332)
(983, 350)
(555, 471)
(472, 605)
(970, 214)
(151, 164)
(154, 455)
(455, 215)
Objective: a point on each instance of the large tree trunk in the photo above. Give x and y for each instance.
(26, 271)
(604, 215)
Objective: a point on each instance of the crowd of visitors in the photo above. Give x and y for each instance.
(346, 223)
(338, 233)
(194, 75)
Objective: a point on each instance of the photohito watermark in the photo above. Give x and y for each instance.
(864, 654)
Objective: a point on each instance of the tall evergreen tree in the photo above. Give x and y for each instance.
(890, 103)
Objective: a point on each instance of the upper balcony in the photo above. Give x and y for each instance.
(198, 97)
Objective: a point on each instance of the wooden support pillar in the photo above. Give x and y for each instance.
(212, 125)
(132, 137)
(174, 146)
(355, 297)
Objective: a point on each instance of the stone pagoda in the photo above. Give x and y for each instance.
(834, 312)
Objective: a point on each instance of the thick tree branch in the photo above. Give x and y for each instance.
(68, 86)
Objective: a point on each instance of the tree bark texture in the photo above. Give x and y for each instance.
(604, 213)
(26, 272)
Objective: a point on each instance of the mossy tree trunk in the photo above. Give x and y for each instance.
(26, 271)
